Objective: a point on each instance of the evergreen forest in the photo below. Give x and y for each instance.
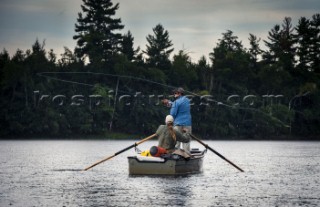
(106, 86)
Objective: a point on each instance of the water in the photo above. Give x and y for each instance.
(48, 173)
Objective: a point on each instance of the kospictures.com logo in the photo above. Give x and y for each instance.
(112, 98)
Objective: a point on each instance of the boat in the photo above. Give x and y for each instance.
(169, 164)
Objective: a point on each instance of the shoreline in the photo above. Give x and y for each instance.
(124, 136)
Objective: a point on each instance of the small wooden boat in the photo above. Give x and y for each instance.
(167, 165)
(171, 164)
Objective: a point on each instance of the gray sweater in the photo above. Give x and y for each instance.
(166, 140)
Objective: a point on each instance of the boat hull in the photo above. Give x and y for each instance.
(160, 166)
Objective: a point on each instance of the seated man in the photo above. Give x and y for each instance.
(168, 136)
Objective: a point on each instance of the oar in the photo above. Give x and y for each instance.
(217, 153)
(115, 154)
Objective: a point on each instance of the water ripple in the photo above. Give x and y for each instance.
(50, 173)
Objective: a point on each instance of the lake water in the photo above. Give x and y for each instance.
(48, 173)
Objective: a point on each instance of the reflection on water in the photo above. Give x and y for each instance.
(50, 173)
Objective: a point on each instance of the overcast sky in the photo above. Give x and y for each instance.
(193, 25)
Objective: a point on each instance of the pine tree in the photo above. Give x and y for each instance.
(159, 48)
(304, 38)
(183, 71)
(271, 56)
(97, 38)
(254, 51)
(205, 75)
(315, 43)
(127, 47)
(230, 63)
(281, 45)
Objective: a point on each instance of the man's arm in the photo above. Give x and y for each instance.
(159, 130)
(174, 109)
(182, 137)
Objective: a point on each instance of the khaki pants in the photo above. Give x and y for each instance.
(185, 146)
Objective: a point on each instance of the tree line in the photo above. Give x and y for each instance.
(105, 85)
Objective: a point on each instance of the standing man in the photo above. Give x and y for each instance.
(180, 110)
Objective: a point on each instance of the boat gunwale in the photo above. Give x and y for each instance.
(194, 157)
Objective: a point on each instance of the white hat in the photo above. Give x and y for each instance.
(169, 119)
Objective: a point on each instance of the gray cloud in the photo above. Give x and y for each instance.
(193, 25)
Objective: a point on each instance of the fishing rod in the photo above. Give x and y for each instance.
(43, 74)
(219, 103)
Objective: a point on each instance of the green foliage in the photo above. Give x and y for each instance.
(241, 88)
(97, 37)
(231, 65)
(127, 47)
(159, 48)
(183, 71)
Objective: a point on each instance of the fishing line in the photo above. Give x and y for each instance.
(47, 75)
(43, 74)
(103, 74)
(66, 81)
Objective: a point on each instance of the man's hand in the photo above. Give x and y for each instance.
(165, 102)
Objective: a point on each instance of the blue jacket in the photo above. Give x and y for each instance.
(180, 110)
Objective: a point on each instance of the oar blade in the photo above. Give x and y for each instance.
(119, 152)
